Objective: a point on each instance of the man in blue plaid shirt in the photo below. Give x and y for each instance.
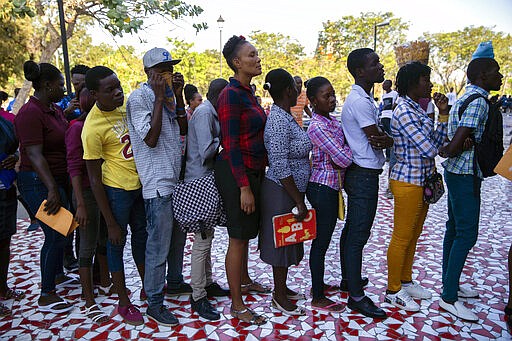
(462, 182)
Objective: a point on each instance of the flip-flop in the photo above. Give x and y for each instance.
(67, 280)
(255, 288)
(328, 308)
(298, 311)
(52, 307)
(95, 314)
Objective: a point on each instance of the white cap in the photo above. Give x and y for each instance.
(156, 56)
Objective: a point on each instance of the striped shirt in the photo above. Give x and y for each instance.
(475, 117)
(416, 142)
(242, 122)
(329, 143)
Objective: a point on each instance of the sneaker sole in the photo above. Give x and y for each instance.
(455, 315)
(162, 323)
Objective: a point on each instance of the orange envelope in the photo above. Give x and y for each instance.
(504, 167)
(288, 231)
(61, 222)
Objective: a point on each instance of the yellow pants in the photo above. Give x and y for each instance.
(409, 216)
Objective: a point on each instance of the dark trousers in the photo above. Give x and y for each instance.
(33, 190)
(325, 202)
(362, 187)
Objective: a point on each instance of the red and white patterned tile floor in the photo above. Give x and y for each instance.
(486, 269)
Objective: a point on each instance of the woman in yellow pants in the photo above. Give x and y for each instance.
(416, 143)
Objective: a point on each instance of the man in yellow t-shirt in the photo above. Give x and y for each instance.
(114, 180)
(302, 102)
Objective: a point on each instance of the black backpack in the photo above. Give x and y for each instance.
(489, 150)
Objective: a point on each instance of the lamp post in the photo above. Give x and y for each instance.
(63, 37)
(384, 23)
(220, 23)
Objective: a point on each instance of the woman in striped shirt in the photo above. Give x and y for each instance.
(330, 157)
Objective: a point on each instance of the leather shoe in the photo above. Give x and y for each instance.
(215, 290)
(204, 308)
(344, 283)
(367, 308)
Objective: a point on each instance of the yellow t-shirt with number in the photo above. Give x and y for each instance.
(105, 136)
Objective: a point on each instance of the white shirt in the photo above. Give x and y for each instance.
(452, 97)
(388, 101)
(359, 112)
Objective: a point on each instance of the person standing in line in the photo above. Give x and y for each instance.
(8, 208)
(284, 186)
(330, 157)
(93, 234)
(463, 178)
(71, 103)
(156, 119)
(240, 168)
(416, 145)
(203, 141)
(192, 98)
(114, 181)
(360, 120)
(40, 127)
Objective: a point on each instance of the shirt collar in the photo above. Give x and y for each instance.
(280, 111)
(476, 88)
(360, 91)
(236, 83)
(413, 104)
(323, 119)
(52, 110)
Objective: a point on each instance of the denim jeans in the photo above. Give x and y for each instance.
(163, 245)
(33, 191)
(461, 229)
(362, 187)
(127, 208)
(324, 200)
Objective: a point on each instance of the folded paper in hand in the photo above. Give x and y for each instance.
(61, 222)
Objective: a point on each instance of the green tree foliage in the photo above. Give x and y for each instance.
(116, 16)
(338, 38)
(14, 43)
(198, 68)
(450, 54)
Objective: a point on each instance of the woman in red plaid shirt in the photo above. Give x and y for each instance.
(240, 168)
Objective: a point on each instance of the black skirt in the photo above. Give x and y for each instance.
(8, 210)
(240, 225)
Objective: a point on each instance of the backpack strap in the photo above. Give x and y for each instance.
(467, 102)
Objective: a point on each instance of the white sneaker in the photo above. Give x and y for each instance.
(402, 300)
(459, 310)
(417, 291)
(467, 293)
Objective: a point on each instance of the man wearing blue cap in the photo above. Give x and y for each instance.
(156, 118)
(463, 177)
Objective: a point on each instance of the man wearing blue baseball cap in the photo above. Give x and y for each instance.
(463, 176)
(156, 119)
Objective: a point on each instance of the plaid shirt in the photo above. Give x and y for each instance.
(329, 143)
(242, 123)
(474, 117)
(416, 142)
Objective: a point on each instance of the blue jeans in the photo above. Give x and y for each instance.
(33, 191)
(461, 229)
(165, 240)
(127, 208)
(324, 200)
(362, 188)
